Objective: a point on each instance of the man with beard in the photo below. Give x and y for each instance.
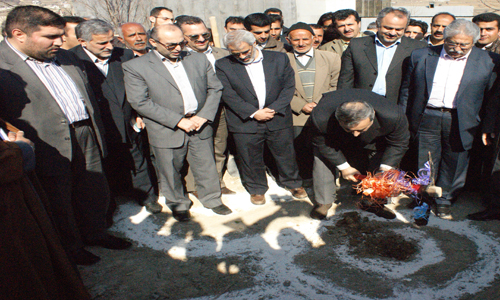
(197, 36)
(376, 63)
(438, 24)
(134, 36)
(258, 88)
(45, 94)
(442, 95)
(126, 168)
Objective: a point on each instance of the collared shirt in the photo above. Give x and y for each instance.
(182, 80)
(262, 46)
(449, 73)
(384, 59)
(255, 71)
(59, 84)
(209, 55)
(304, 58)
(102, 65)
(428, 40)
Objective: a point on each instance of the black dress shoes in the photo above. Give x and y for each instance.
(153, 207)
(109, 242)
(320, 211)
(182, 216)
(84, 258)
(222, 210)
(485, 215)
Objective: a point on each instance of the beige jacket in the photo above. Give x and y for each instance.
(325, 80)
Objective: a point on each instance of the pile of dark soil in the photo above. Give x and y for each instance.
(371, 239)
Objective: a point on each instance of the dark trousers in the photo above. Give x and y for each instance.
(79, 200)
(127, 170)
(304, 150)
(200, 156)
(438, 134)
(250, 158)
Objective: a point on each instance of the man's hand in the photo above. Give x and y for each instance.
(199, 121)
(308, 108)
(187, 125)
(140, 123)
(348, 174)
(19, 137)
(264, 114)
(488, 138)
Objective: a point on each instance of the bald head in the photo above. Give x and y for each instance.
(168, 40)
(134, 36)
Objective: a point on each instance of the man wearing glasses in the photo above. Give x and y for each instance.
(197, 37)
(442, 94)
(178, 94)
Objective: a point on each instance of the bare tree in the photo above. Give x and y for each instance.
(117, 11)
(495, 4)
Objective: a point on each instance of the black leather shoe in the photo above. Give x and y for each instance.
(380, 211)
(320, 211)
(153, 207)
(182, 216)
(109, 242)
(84, 258)
(222, 210)
(485, 215)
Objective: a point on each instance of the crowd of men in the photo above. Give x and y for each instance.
(128, 112)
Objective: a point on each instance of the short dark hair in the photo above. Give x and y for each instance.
(346, 13)
(350, 113)
(325, 17)
(234, 20)
(274, 18)
(273, 10)
(256, 19)
(29, 18)
(487, 17)
(157, 10)
(443, 13)
(423, 26)
(188, 20)
(316, 26)
(73, 19)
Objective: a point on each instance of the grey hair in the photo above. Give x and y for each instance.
(235, 38)
(86, 29)
(349, 114)
(462, 26)
(400, 12)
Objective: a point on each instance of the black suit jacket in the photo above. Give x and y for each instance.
(388, 133)
(110, 94)
(27, 104)
(241, 100)
(360, 69)
(476, 85)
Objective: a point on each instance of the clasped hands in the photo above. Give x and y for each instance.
(264, 114)
(192, 123)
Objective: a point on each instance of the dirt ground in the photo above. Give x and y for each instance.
(276, 251)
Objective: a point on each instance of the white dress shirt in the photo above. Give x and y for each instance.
(255, 71)
(102, 65)
(304, 58)
(384, 59)
(182, 80)
(449, 73)
(59, 84)
(209, 54)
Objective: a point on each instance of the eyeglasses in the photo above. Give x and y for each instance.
(194, 37)
(172, 46)
(460, 45)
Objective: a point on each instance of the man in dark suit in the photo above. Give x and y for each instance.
(355, 130)
(45, 93)
(442, 94)
(197, 37)
(178, 95)
(376, 63)
(127, 168)
(258, 88)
